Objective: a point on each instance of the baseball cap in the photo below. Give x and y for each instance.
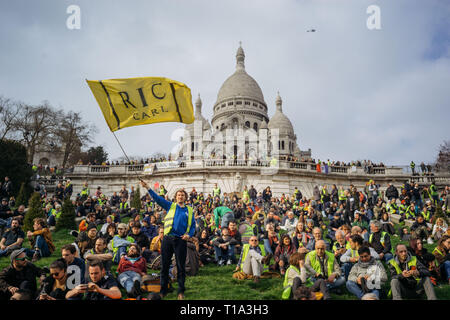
(121, 226)
(16, 253)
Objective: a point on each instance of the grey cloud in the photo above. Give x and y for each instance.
(341, 86)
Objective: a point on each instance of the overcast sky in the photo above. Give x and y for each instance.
(350, 92)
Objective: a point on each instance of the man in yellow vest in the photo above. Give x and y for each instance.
(409, 277)
(216, 191)
(322, 264)
(253, 258)
(85, 192)
(341, 195)
(179, 226)
(380, 241)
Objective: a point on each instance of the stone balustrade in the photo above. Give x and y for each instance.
(233, 174)
(241, 163)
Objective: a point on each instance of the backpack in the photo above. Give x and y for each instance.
(151, 283)
(192, 261)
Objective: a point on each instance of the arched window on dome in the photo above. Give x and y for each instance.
(255, 126)
(282, 145)
(222, 126)
(247, 124)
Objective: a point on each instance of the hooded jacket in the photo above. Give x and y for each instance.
(410, 281)
(361, 269)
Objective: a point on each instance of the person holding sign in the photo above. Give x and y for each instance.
(179, 226)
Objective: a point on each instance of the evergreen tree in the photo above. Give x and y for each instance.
(67, 218)
(439, 214)
(137, 200)
(34, 211)
(22, 196)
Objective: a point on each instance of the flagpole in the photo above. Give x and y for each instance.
(120, 145)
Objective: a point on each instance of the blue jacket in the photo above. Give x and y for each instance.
(150, 231)
(180, 219)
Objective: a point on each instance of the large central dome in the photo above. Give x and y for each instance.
(240, 84)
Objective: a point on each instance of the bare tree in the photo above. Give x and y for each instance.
(9, 111)
(36, 125)
(72, 134)
(443, 158)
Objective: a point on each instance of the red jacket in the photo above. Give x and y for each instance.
(139, 266)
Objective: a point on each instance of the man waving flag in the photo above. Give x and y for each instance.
(136, 101)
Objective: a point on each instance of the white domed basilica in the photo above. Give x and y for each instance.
(240, 127)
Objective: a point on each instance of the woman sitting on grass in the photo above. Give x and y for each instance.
(54, 286)
(282, 253)
(386, 224)
(417, 249)
(301, 237)
(439, 229)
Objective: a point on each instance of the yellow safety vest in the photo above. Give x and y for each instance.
(315, 264)
(168, 220)
(426, 216)
(287, 287)
(245, 250)
(383, 235)
(411, 263)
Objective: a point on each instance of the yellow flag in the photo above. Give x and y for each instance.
(135, 101)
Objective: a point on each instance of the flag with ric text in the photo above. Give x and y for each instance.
(136, 101)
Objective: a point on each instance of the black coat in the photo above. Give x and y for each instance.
(47, 287)
(12, 277)
(391, 192)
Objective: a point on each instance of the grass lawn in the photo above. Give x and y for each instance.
(216, 283)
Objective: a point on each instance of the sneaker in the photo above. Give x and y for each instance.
(220, 263)
(136, 290)
(256, 279)
(74, 233)
(228, 262)
(429, 241)
(180, 296)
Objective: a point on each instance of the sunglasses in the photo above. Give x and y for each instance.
(253, 240)
(21, 259)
